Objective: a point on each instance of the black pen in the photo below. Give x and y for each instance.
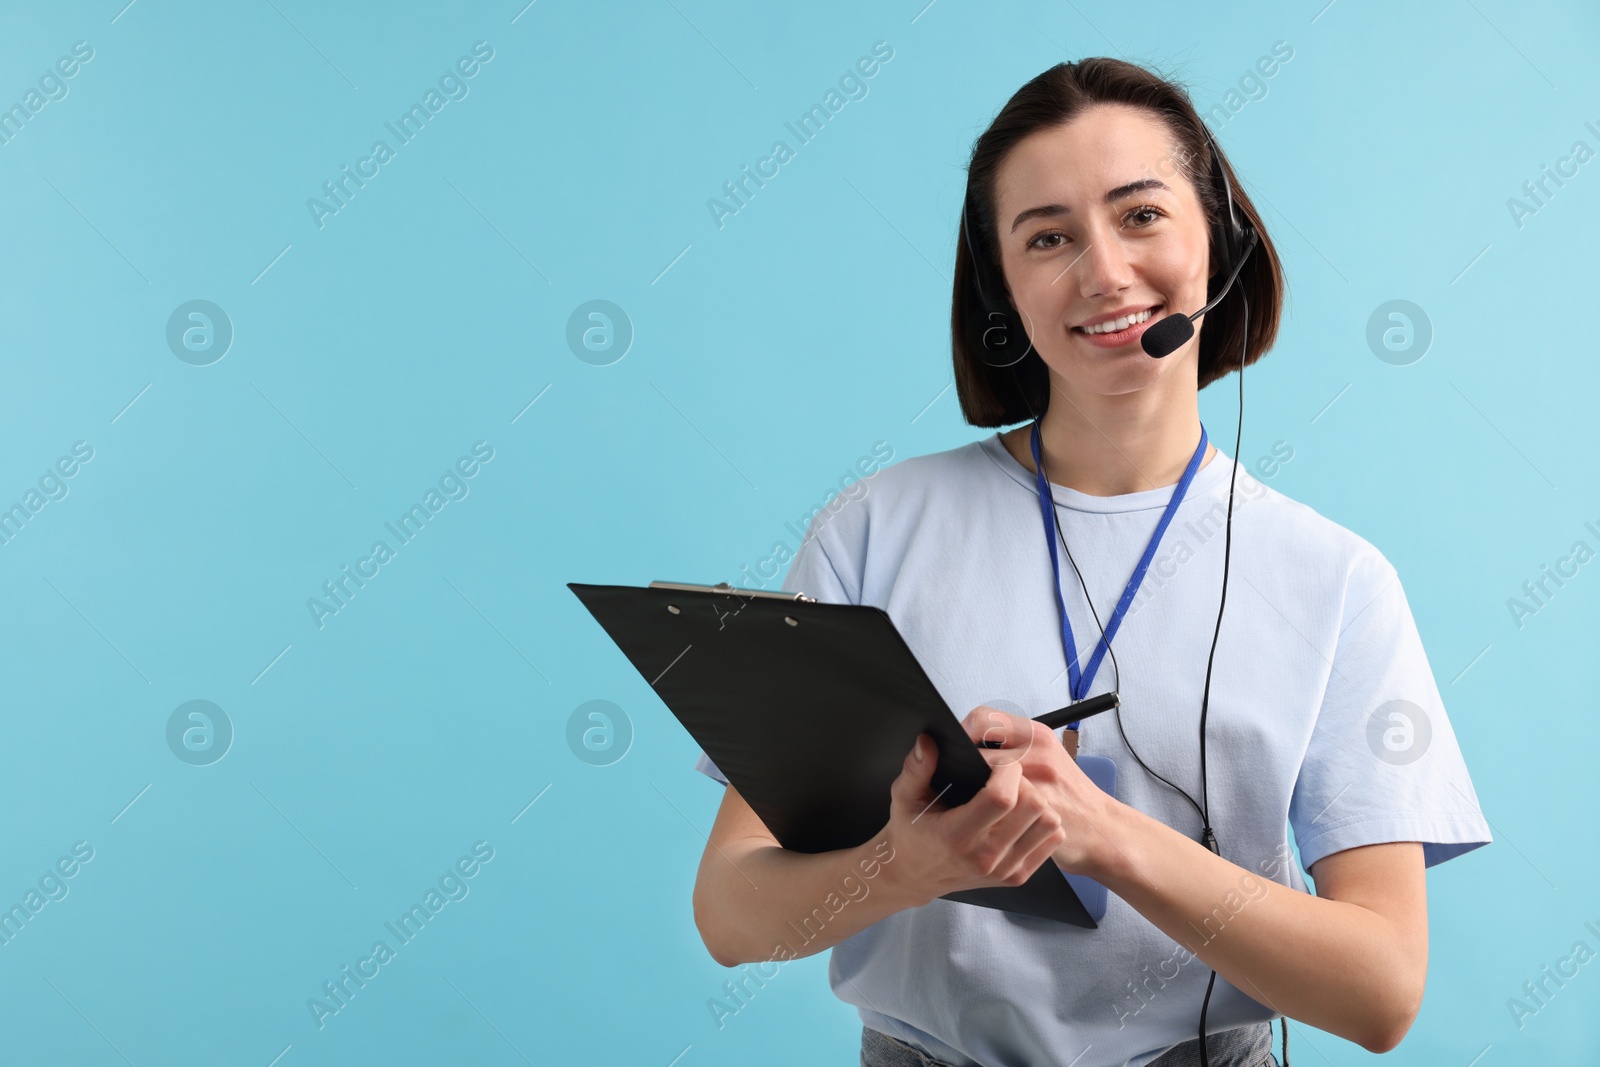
(1073, 712)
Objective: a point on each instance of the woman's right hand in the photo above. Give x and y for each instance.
(998, 838)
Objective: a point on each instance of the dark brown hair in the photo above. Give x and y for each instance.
(994, 395)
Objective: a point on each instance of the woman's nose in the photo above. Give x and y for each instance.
(1104, 268)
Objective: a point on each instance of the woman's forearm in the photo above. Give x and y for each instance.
(1332, 964)
(756, 901)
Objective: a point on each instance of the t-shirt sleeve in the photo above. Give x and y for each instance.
(812, 573)
(1383, 763)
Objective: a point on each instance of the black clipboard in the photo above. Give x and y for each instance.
(808, 709)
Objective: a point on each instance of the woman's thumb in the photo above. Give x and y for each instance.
(920, 761)
(911, 786)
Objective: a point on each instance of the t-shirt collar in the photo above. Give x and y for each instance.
(1215, 472)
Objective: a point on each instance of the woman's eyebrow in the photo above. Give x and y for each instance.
(1111, 197)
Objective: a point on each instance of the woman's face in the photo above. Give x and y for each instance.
(1119, 230)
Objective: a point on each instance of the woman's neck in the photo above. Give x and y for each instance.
(1111, 446)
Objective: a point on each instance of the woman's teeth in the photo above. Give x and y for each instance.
(1119, 324)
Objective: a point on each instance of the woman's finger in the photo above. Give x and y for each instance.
(993, 726)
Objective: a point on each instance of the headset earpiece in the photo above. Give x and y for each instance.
(990, 311)
(1232, 235)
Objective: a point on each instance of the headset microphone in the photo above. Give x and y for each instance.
(1174, 331)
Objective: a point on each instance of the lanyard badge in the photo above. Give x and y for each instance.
(1079, 682)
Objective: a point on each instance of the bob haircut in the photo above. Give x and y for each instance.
(993, 393)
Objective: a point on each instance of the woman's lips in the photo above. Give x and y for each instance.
(1121, 337)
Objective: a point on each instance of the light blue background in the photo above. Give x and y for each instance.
(768, 357)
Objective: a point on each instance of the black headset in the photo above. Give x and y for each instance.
(1233, 237)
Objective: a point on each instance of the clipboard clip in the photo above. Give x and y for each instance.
(729, 590)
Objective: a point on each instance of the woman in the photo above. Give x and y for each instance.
(1095, 209)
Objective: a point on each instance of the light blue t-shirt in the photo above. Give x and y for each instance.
(1324, 716)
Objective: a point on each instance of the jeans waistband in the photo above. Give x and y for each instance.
(1246, 1046)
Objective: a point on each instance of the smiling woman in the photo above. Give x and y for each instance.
(1099, 213)
(1135, 166)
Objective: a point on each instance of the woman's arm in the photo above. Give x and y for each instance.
(755, 901)
(1351, 960)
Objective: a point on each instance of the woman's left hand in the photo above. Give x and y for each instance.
(1051, 765)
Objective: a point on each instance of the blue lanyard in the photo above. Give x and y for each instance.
(1079, 682)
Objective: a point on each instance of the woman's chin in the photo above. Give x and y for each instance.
(1118, 371)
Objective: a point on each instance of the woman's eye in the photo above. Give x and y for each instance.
(1141, 216)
